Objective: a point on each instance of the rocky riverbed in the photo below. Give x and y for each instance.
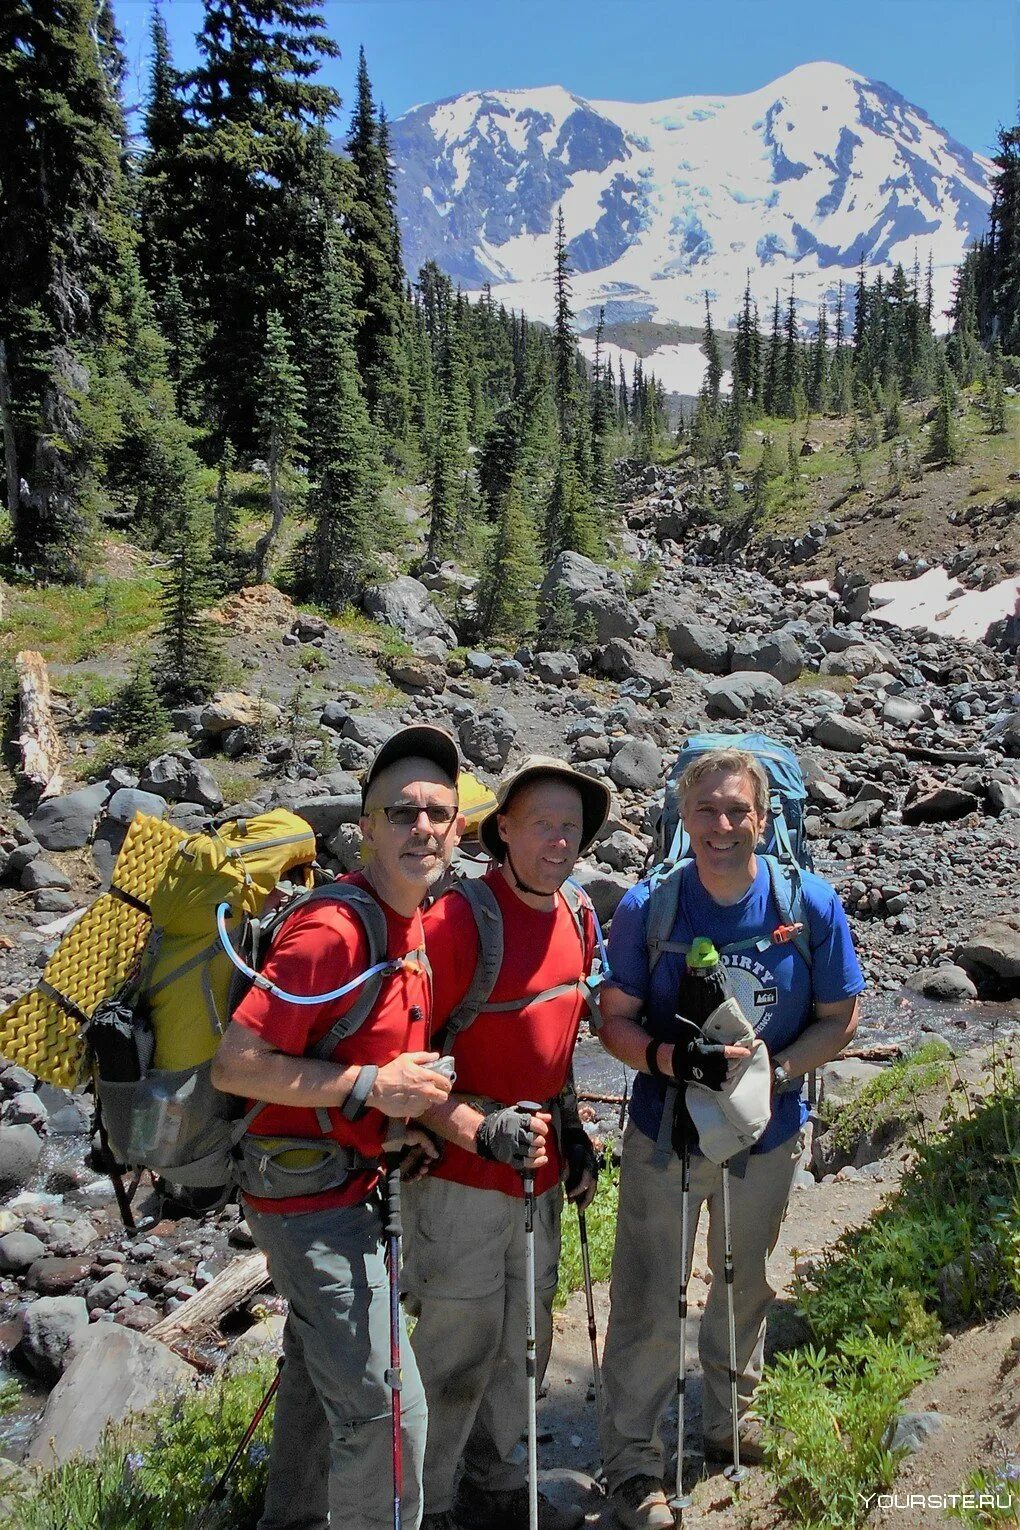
(910, 745)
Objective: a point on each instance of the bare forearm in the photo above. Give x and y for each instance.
(628, 1043)
(278, 1079)
(455, 1121)
(823, 1040)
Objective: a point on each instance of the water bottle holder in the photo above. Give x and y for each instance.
(170, 1120)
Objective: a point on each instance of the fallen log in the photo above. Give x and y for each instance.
(232, 1286)
(38, 738)
(939, 756)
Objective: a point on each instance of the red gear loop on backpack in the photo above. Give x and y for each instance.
(784, 933)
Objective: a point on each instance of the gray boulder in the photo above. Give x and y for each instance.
(179, 778)
(741, 694)
(128, 801)
(700, 646)
(367, 729)
(995, 950)
(236, 709)
(840, 1080)
(66, 823)
(940, 804)
(41, 873)
(326, 814)
(595, 594)
(404, 603)
(778, 654)
(621, 660)
(949, 984)
(900, 711)
(843, 733)
(18, 1250)
(20, 1151)
(638, 765)
(487, 738)
(556, 667)
(860, 659)
(51, 1324)
(621, 851)
(911, 1431)
(111, 1373)
(1003, 796)
(605, 889)
(480, 665)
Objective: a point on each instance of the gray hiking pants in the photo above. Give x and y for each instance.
(332, 1454)
(642, 1353)
(464, 1274)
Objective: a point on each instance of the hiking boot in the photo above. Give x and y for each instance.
(752, 1451)
(478, 1510)
(640, 1504)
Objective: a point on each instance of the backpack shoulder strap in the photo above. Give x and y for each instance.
(576, 903)
(488, 917)
(663, 906)
(788, 896)
(373, 922)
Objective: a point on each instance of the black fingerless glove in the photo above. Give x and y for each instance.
(506, 1136)
(700, 1062)
(579, 1157)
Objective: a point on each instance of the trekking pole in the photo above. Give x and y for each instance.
(681, 1500)
(394, 1379)
(528, 1107)
(734, 1472)
(593, 1336)
(219, 1491)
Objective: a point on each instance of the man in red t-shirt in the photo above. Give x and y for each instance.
(331, 1459)
(465, 1256)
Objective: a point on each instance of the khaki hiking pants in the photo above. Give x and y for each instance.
(464, 1274)
(642, 1353)
(332, 1453)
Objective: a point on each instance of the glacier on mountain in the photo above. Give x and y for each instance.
(666, 200)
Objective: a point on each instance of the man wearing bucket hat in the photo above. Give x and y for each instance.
(509, 1011)
(797, 985)
(331, 1458)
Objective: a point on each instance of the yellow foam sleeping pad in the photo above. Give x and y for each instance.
(188, 983)
(476, 800)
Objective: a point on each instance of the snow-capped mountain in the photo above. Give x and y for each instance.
(665, 199)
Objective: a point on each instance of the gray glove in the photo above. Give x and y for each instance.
(506, 1137)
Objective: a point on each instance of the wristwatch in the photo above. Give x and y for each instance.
(780, 1077)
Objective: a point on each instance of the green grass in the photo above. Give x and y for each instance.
(156, 1473)
(888, 1096)
(601, 1220)
(68, 625)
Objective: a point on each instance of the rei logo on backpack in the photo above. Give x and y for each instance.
(153, 1042)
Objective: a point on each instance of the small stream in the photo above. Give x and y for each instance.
(904, 1019)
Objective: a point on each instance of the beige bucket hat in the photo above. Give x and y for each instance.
(596, 800)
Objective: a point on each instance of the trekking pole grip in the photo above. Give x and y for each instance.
(394, 1228)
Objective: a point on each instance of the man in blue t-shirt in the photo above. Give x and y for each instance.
(805, 1017)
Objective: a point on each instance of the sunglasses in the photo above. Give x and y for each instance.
(404, 815)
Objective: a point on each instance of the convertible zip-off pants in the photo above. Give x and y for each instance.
(464, 1274)
(642, 1353)
(332, 1452)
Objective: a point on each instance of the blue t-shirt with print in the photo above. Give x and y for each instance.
(774, 987)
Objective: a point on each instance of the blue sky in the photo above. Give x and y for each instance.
(958, 59)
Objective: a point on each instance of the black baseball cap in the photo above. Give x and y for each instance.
(422, 741)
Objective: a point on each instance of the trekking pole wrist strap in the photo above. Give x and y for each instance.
(652, 1063)
(354, 1104)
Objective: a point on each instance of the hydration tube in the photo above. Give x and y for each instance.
(600, 939)
(279, 993)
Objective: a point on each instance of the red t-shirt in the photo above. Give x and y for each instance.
(320, 948)
(522, 1054)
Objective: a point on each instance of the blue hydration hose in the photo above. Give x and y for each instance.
(262, 982)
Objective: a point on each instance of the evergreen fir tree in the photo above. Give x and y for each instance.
(946, 445)
(379, 298)
(819, 389)
(508, 589)
(564, 345)
(141, 717)
(189, 657)
(281, 398)
(713, 360)
(995, 397)
(771, 379)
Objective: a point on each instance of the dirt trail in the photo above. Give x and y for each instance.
(816, 1217)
